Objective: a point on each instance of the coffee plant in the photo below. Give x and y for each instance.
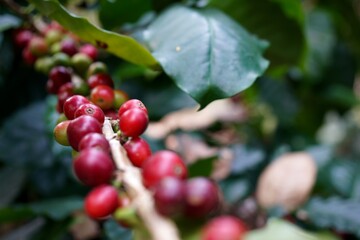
(169, 120)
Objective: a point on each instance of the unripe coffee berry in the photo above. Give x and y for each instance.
(120, 98)
(38, 46)
(138, 150)
(93, 167)
(61, 59)
(80, 62)
(96, 68)
(101, 202)
(60, 133)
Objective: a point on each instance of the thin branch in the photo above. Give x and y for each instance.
(159, 227)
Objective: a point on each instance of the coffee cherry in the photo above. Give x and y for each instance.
(72, 104)
(80, 87)
(28, 57)
(68, 46)
(44, 65)
(96, 68)
(224, 227)
(60, 133)
(133, 122)
(100, 79)
(101, 202)
(60, 75)
(103, 96)
(202, 197)
(169, 197)
(81, 62)
(22, 37)
(56, 48)
(64, 92)
(52, 36)
(38, 46)
(162, 164)
(93, 167)
(90, 50)
(111, 114)
(81, 126)
(130, 104)
(94, 140)
(90, 110)
(120, 98)
(61, 59)
(138, 150)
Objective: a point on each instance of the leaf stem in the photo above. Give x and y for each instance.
(159, 227)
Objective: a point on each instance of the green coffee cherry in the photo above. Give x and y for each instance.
(55, 48)
(53, 36)
(44, 65)
(81, 87)
(81, 62)
(61, 59)
(97, 67)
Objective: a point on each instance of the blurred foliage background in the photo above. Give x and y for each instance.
(308, 100)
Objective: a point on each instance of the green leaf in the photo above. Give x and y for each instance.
(340, 214)
(208, 55)
(246, 159)
(235, 188)
(121, 45)
(278, 229)
(278, 21)
(15, 213)
(11, 182)
(8, 21)
(114, 14)
(202, 167)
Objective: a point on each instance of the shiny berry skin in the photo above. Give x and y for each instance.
(102, 96)
(138, 150)
(22, 37)
(90, 50)
(100, 79)
(130, 104)
(81, 62)
(93, 167)
(133, 122)
(38, 46)
(202, 197)
(94, 140)
(91, 110)
(60, 133)
(60, 75)
(101, 202)
(224, 228)
(28, 57)
(64, 92)
(81, 126)
(68, 46)
(96, 68)
(169, 197)
(52, 36)
(162, 164)
(120, 98)
(72, 104)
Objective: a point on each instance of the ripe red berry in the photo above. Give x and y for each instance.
(64, 92)
(101, 202)
(138, 150)
(28, 57)
(102, 96)
(169, 197)
(51, 87)
(91, 110)
(90, 50)
(111, 114)
(130, 104)
(81, 126)
(72, 104)
(162, 164)
(60, 75)
(22, 37)
(224, 227)
(100, 79)
(60, 133)
(202, 197)
(68, 46)
(93, 167)
(94, 140)
(38, 46)
(133, 122)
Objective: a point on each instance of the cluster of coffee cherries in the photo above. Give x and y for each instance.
(86, 96)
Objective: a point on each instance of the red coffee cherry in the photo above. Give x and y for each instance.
(93, 167)
(133, 122)
(81, 126)
(68, 46)
(94, 140)
(91, 110)
(60, 133)
(38, 46)
(51, 87)
(111, 114)
(90, 50)
(169, 197)
(101, 202)
(72, 104)
(224, 227)
(22, 37)
(100, 79)
(102, 96)
(162, 164)
(28, 57)
(64, 92)
(202, 197)
(138, 150)
(60, 75)
(130, 104)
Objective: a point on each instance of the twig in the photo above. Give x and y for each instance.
(159, 227)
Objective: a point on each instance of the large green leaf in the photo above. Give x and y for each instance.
(207, 54)
(120, 45)
(277, 229)
(278, 21)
